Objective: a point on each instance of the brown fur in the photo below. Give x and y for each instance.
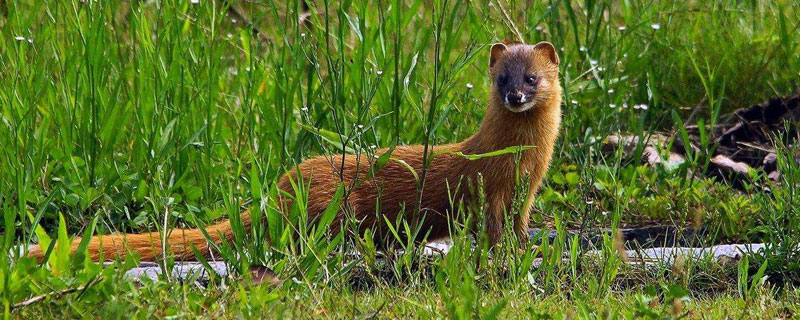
(500, 128)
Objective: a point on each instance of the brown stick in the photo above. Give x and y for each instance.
(56, 294)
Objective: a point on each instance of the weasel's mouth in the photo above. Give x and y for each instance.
(518, 102)
(519, 107)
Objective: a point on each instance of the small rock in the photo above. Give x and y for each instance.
(726, 164)
(262, 275)
(774, 175)
(770, 162)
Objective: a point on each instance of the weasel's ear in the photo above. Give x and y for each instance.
(497, 51)
(549, 51)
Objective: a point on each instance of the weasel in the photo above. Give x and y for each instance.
(524, 109)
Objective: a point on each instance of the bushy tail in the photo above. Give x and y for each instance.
(149, 246)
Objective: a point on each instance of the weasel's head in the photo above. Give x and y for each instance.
(524, 77)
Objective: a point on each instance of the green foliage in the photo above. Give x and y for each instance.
(133, 116)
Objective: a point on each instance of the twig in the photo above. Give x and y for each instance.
(510, 22)
(58, 294)
(694, 110)
(756, 147)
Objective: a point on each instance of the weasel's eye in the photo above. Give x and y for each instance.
(502, 79)
(530, 79)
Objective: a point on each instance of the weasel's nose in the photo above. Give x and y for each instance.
(515, 98)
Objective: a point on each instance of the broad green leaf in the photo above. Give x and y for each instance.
(380, 162)
(255, 182)
(44, 239)
(330, 212)
(63, 244)
(572, 178)
(87, 237)
(512, 149)
(329, 136)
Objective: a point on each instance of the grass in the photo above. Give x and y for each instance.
(132, 116)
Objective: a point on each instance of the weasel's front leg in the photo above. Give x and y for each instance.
(495, 222)
(521, 220)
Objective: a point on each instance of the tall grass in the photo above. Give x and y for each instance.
(158, 114)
